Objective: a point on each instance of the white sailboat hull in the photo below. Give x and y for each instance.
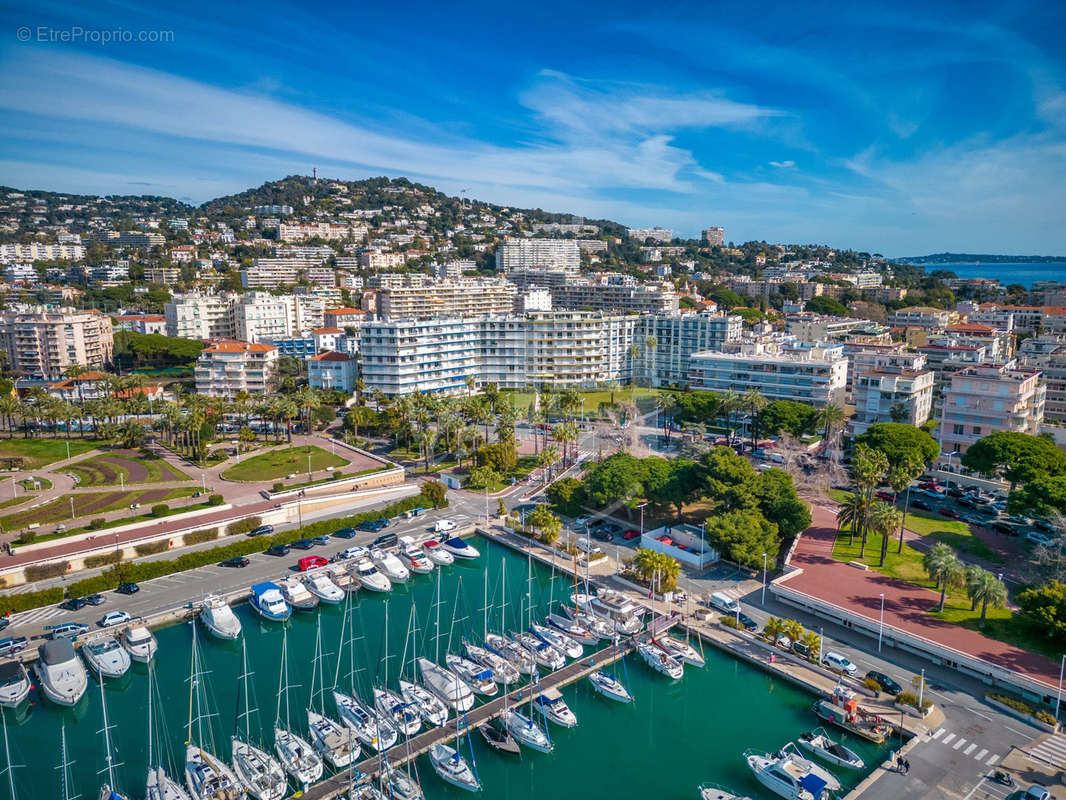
(207, 778)
(333, 741)
(430, 707)
(452, 768)
(159, 786)
(446, 685)
(297, 757)
(260, 774)
(526, 731)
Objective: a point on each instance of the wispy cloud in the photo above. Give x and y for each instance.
(786, 164)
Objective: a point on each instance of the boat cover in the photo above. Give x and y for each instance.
(57, 651)
(10, 672)
(813, 784)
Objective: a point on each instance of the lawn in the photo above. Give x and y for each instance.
(36, 453)
(954, 533)
(123, 467)
(87, 504)
(277, 464)
(643, 397)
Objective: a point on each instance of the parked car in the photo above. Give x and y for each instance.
(66, 630)
(320, 540)
(801, 648)
(312, 562)
(385, 540)
(951, 513)
(128, 587)
(278, 550)
(919, 503)
(4, 622)
(370, 525)
(73, 604)
(262, 530)
(236, 561)
(747, 622)
(972, 519)
(839, 663)
(1037, 792)
(584, 519)
(114, 618)
(443, 526)
(1036, 537)
(602, 534)
(1045, 526)
(783, 642)
(95, 599)
(303, 544)
(936, 494)
(967, 501)
(631, 534)
(956, 491)
(881, 494)
(1004, 527)
(888, 686)
(12, 645)
(344, 533)
(1019, 520)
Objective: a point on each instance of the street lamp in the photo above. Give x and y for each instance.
(72, 506)
(309, 464)
(881, 627)
(1058, 697)
(641, 507)
(763, 601)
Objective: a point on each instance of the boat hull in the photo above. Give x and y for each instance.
(452, 768)
(333, 741)
(297, 757)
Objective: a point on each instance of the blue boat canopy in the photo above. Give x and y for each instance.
(813, 784)
(259, 588)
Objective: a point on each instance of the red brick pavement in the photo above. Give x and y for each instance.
(906, 605)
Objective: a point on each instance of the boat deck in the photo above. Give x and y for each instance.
(337, 785)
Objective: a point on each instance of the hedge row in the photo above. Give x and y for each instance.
(150, 548)
(138, 572)
(102, 560)
(1023, 708)
(200, 536)
(245, 525)
(27, 600)
(40, 572)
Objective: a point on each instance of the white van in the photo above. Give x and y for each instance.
(443, 526)
(839, 663)
(586, 546)
(724, 603)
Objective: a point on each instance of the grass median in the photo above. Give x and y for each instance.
(277, 464)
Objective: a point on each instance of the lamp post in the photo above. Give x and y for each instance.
(641, 507)
(309, 463)
(763, 601)
(881, 627)
(1058, 697)
(72, 506)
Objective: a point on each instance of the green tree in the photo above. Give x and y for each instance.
(674, 482)
(868, 469)
(1045, 609)
(901, 444)
(788, 416)
(943, 566)
(729, 479)
(617, 477)
(852, 512)
(435, 492)
(884, 520)
(1017, 457)
(1043, 496)
(743, 537)
(482, 478)
(779, 502)
(988, 590)
(900, 476)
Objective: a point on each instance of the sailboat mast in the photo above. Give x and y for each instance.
(192, 682)
(529, 585)
(107, 740)
(436, 638)
(64, 764)
(485, 605)
(385, 660)
(244, 682)
(7, 756)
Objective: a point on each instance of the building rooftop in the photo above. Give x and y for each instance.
(233, 346)
(331, 355)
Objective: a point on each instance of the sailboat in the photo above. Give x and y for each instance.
(682, 651)
(575, 630)
(261, 774)
(297, 757)
(446, 685)
(428, 706)
(479, 677)
(608, 685)
(660, 661)
(557, 639)
(108, 790)
(521, 726)
(158, 785)
(399, 712)
(503, 671)
(66, 792)
(331, 739)
(543, 653)
(370, 728)
(206, 777)
(452, 768)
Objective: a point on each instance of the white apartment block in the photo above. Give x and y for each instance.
(408, 356)
(38, 251)
(200, 316)
(922, 317)
(986, 398)
(896, 382)
(526, 278)
(42, 342)
(809, 327)
(603, 294)
(280, 211)
(643, 234)
(332, 371)
(578, 348)
(135, 239)
(226, 368)
(20, 273)
(666, 343)
(815, 375)
(275, 273)
(464, 297)
(379, 259)
(713, 236)
(165, 276)
(319, 230)
(1048, 354)
(538, 254)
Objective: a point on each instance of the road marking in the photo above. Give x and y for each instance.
(939, 732)
(1020, 733)
(981, 754)
(948, 738)
(958, 744)
(1052, 750)
(992, 760)
(970, 749)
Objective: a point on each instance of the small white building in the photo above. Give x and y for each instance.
(686, 543)
(332, 371)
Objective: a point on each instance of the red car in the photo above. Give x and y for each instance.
(949, 512)
(930, 485)
(631, 534)
(883, 495)
(312, 562)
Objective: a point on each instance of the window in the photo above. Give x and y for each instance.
(958, 430)
(976, 430)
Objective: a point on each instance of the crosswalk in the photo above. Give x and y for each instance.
(1052, 750)
(965, 747)
(36, 615)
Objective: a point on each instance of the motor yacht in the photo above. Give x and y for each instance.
(610, 687)
(297, 757)
(575, 630)
(414, 557)
(207, 778)
(477, 677)
(820, 744)
(140, 643)
(544, 654)
(614, 607)
(15, 684)
(219, 619)
(296, 594)
(105, 656)
(557, 639)
(710, 791)
(335, 743)
(452, 768)
(503, 671)
(391, 567)
(446, 685)
(320, 585)
(660, 661)
(370, 578)
(602, 628)
(369, 728)
(429, 707)
(552, 705)
(520, 658)
(526, 731)
(788, 776)
(342, 579)
(436, 553)
(682, 651)
(459, 548)
(261, 775)
(268, 602)
(403, 715)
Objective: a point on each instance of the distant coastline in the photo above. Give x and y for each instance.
(978, 258)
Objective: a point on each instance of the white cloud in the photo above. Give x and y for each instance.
(787, 164)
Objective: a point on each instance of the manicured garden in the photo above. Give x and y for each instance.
(88, 503)
(643, 397)
(124, 467)
(36, 453)
(276, 464)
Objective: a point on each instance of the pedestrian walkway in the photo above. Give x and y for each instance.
(1052, 750)
(946, 738)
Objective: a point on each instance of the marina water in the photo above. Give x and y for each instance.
(675, 735)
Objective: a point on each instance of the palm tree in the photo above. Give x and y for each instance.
(852, 512)
(359, 387)
(868, 468)
(988, 590)
(899, 478)
(754, 400)
(9, 408)
(899, 413)
(944, 567)
(565, 433)
(831, 417)
(546, 458)
(729, 403)
(307, 400)
(883, 520)
(665, 403)
(471, 382)
(971, 579)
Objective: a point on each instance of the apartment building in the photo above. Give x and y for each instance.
(319, 230)
(666, 343)
(378, 260)
(986, 398)
(998, 344)
(39, 251)
(228, 367)
(578, 348)
(164, 276)
(606, 293)
(142, 323)
(42, 342)
(657, 234)
(406, 356)
(527, 278)
(20, 273)
(713, 236)
(136, 239)
(272, 211)
(343, 317)
(250, 317)
(199, 316)
(275, 273)
(332, 371)
(923, 317)
(1048, 354)
(809, 327)
(946, 356)
(464, 297)
(815, 375)
(538, 254)
(897, 388)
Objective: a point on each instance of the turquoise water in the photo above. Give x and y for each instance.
(675, 736)
(1007, 273)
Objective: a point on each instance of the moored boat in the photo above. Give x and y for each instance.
(369, 576)
(437, 554)
(575, 630)
(60, 674)
(459, 548)
(682, 651)
(297, 757)
(559, 640)
(498, 738)
(15, 684)
(710, 791)
(219, 619)
(370, 729)
(261, 775)
(520, 658)
(478, 677)
(526, 731)
(404, 717)
(320, 585)
(268, 602)
(430, 707)
(342, 579)
(660, 661)
(551, 704)
(446, 685)
(391, 567)
(335, 744)
(615, 607)
(105, 656)
(296, 594)
(788, 776)
(414, 557)
(852, 718)
(452, 768)
(610, 687)
(542, 652)
(503, 671)
(820, 744)
(207, 778)
(398, 785)
(140, 643)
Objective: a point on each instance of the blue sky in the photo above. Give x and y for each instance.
(896, 128)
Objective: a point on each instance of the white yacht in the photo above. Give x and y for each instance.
(597, 626)
(105, 656)
(460, 548)
(709, 791)
(575, 630)
(551, 704)
(660, 661)
(430, 707)
(452, 768)
(788, 776)
(615, 607)
(503, 671)
(60, 674)
(437, 554)
(207, 778)
(15, 684)
(391, 567)
(557, 639)
(476, 676)
(397, 784)
(320, 585)
(520, 658)
(261, 775)
(526, 731)
(159, 786)
(268, 602)
(369, 728)
(140, 643)
(819, 743)
(446, 685)
(342, 579)
(332, 740)
(403, 715)
(544, 654)
(219, 619)
(414, 557)
(297, 757)
(610, 687)
(682, 651)
(296, 594)
(370, 578)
